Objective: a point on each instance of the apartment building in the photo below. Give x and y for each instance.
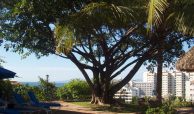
(178, 83)
(189, 87)
(150, 77)
(126, 93)
(167, 84)
(173, 83)
(145, 88)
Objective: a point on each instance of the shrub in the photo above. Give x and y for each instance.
(64, 94)
(6, 89)
(134, 100)
(76, 89)
(47, 90)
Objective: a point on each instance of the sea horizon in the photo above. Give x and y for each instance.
(57, 83)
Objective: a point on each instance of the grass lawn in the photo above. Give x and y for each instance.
(120, 109)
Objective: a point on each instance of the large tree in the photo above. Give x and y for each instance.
(105, 37)
(169, 19)
(95, 36)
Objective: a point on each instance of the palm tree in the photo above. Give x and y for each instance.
(165, 17)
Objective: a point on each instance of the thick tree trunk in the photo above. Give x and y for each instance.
(101, 95)
(159, 78)
(101, 100)
(96, 99)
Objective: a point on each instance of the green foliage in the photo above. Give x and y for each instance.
(168, 106)
(134, 100)
(22, 90)
(63, 93)
(1, 61)
(6, 89)
(169, 13)
(105, 34)
(76, 89)
(47, 90)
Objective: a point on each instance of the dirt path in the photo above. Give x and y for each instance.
(68, 108)
(185, 110)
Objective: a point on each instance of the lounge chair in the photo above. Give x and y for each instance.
(35, 101)
(8, 108)
(9, 111)
(19, 99)
(21, 102)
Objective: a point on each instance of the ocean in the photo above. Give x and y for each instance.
(58, 84)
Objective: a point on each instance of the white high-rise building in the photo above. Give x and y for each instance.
(189, 87)
(150, 77)
(178, 83)
(145, 88)
(173, 83)
(166, 84)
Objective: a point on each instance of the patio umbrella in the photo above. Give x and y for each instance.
(186, 61)
(4, 73)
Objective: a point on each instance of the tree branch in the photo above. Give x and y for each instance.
(81, 68)
(116, 87)
(120, 71)
(123, 38)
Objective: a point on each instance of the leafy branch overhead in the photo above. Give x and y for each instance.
(103, 37)
(78, 26)
(176, 12)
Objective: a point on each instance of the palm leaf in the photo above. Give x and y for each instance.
(185, 18)
(156, 10)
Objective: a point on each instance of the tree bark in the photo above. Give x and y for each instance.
(159, 77)
(101, 95)
(101, 89)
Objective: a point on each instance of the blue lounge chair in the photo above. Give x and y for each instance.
(35, 102)
(19, 99)
(9, 111)
(21, 102)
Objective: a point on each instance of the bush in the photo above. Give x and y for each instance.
(168, 106)
(134, 100)
(22, 90)
(64, 94)
(6, 89)
(45, 91)
(76, 89)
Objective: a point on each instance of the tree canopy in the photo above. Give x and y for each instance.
(169, 20)
(105, 37)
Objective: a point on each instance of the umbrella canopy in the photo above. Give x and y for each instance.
(4, 73)
(186, 62)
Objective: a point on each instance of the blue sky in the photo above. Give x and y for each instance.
(31, 68)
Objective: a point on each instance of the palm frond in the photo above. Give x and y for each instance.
(185, 25)
(64, 39)
(156, 10)
(184, 21)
